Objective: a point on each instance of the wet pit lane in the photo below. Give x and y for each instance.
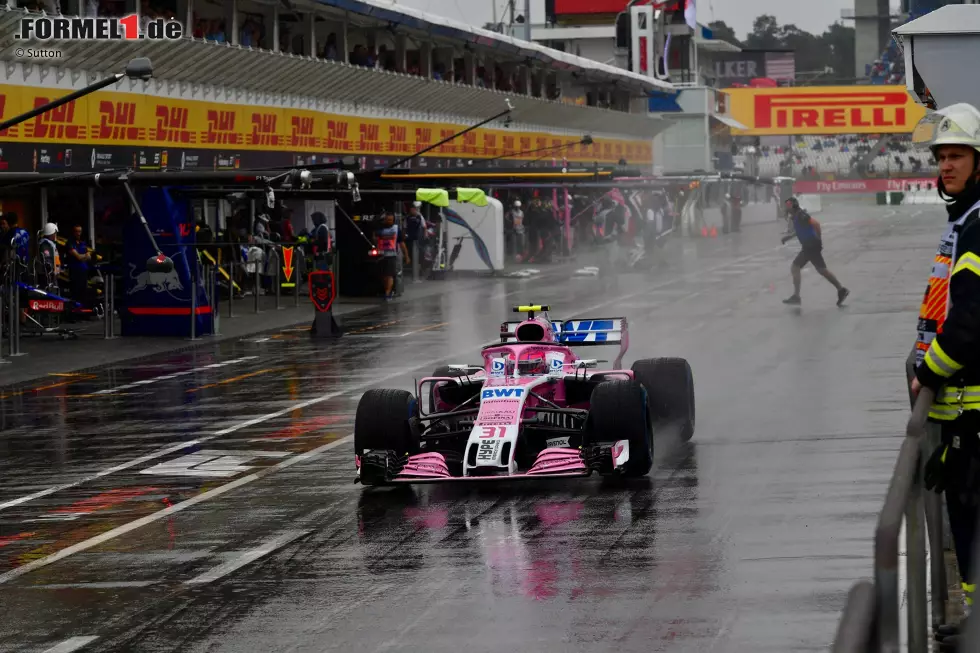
(204, 501)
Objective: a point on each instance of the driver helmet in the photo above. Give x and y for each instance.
(532, 363)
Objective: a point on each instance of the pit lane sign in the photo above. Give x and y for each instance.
(322, 290)
(287, 267)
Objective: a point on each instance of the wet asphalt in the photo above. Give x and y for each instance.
(204, 501)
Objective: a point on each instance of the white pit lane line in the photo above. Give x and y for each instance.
(166, 451)
(247, 557)
(71, 645)
(218, 491)
(166, 512)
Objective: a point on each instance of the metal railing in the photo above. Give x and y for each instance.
(205, 274)
(871, 618)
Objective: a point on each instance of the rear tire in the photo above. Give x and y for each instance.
(669, 382)
(381, 422)
(619, 411)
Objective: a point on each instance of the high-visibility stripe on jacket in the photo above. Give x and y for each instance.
(948, 346)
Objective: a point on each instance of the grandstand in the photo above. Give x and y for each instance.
(859, 155)
(838, 157)
(889, 68)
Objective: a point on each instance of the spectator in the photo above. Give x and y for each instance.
(330, 47)
(359, 57)
(249, 36)
(48, 256)
(15, 239)
(386, 59)
(78, 261)
(146, 15)
(389, 240)
(415, 227)
(216, 32)
(517, 223)
(320, 241)
(285, 227)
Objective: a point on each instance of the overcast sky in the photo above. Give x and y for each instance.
(811, 15)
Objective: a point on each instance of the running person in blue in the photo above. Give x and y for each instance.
(807, 230)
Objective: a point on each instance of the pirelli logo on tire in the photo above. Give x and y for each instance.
(819, 110)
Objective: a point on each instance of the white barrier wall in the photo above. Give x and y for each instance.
(810, 203)
(922, 197)
(488, 222)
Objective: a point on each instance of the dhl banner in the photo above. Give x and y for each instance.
(824, 110)
(125, 119)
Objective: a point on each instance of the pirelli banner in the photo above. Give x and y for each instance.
(110, 118)
(824, 110)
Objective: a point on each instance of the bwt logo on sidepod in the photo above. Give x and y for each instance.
(831, 110)
(502, 393)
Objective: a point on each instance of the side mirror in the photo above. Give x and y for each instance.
(139, 68)
(159, 263)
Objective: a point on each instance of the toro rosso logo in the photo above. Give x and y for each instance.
(502, 393)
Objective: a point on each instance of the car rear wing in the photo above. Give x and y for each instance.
(582, 333)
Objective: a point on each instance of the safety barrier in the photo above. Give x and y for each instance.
(871, 618)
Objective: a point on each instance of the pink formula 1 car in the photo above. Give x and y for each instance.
(533, 409)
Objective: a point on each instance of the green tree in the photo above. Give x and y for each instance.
(838, 44)
(827, 57)
(764, 34)
(806, 47)
(722, 32)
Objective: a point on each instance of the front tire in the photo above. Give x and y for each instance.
(669, 383)
(619, 411)
(381, 422)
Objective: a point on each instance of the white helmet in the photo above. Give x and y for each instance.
(417, 204)
(957, 124)
(50, 229)
(517, 204)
